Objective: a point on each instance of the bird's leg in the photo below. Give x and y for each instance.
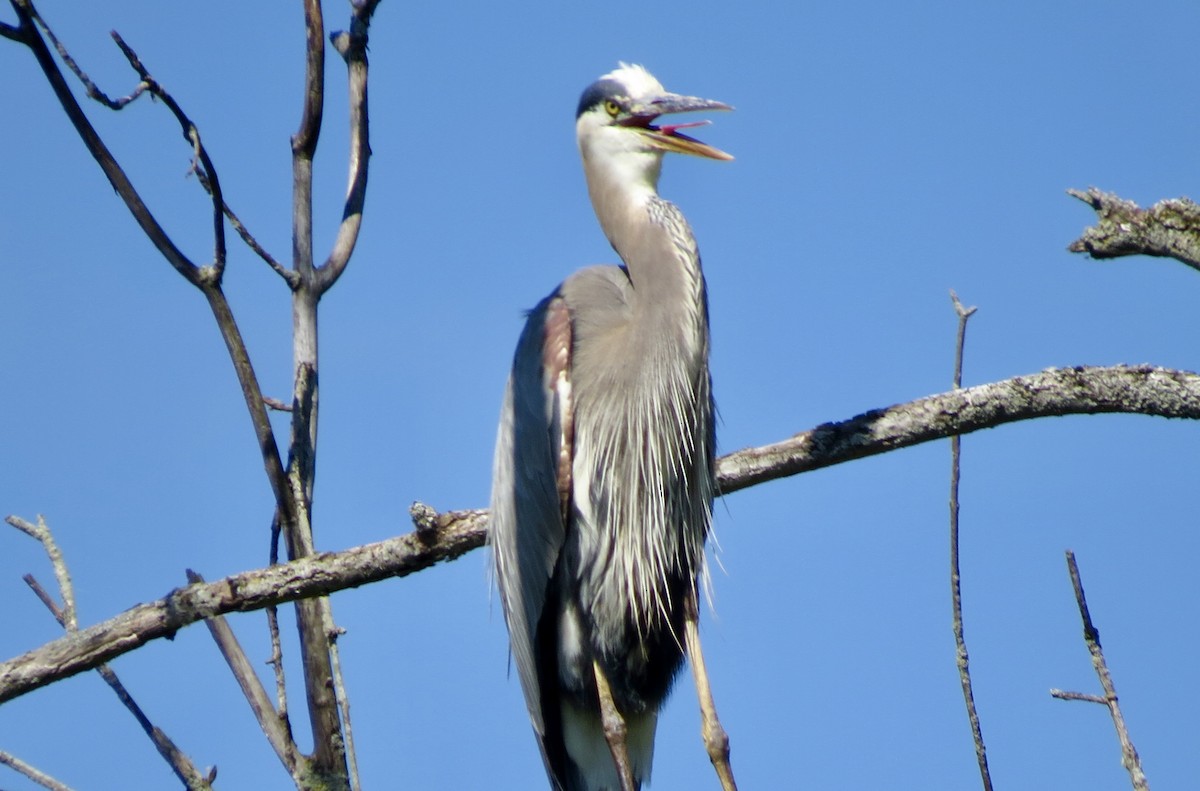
(614, 728)
(716, 741)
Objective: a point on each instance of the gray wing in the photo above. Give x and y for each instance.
(531, 483)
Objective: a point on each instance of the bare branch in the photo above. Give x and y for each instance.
(352, 46)
(343, 697)
(207, 279)
(93, 91)
(1053, 392)
(1168, 229)
(961, 657)
(253, 397)
(328, 757)
(41, 533)
(288, 275)
(183, 767)
(192, 135)
(41, 778)
(276, 660)
(99, 151)
(276, 727)
(45, 598)
(1063, 695)
(315, 628)
(304, 141)
(322, 678)
(1091, 636)
(1136, 390)
(276, 404)
(316, 575)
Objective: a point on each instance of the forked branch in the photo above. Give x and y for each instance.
(28, 35)
(1091, 637)
(66, 616)
(1168, 229)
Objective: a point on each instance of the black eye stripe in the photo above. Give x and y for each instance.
(595, 94)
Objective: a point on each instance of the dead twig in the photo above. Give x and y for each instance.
(960, 643)
(93, 91)
(1091, 636)
(276, 404)
(214, 271)
(66, 616)
(343, 697)
(37, 776)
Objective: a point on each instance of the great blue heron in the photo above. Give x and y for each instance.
(603, 477)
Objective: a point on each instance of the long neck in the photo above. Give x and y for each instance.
(648, 233)
(655, 241)
(620, 188)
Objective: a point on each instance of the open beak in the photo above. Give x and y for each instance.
(667, 137)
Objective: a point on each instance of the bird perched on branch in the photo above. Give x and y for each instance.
(603, 477)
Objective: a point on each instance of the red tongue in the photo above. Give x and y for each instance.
(670, 128)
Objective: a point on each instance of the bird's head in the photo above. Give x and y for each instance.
(615, 124)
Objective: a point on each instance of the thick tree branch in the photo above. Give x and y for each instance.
(446, 536)
(1054, 392)
(316, 575)
(1168, 229)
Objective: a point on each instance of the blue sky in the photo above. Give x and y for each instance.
(885, 154)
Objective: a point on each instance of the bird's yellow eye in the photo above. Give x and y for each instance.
(611, 107)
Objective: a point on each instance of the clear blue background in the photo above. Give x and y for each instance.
(886, 153)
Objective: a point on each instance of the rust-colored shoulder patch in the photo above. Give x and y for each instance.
(556, 362)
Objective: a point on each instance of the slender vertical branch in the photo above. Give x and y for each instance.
(1091, 636)
(329, 756)
(304, 141)
(343, 698)
(276, 660)
(323, 683)
(352, 46)
(960, 643)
